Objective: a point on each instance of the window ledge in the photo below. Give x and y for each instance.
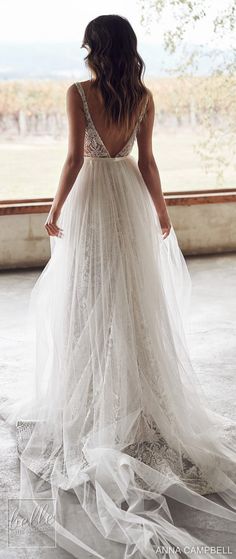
(189, 198)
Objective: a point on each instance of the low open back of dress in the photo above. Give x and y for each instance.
(94, 145)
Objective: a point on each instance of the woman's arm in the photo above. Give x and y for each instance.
(74, 159)
(148, 168)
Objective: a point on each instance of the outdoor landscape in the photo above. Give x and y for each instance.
(33, 127)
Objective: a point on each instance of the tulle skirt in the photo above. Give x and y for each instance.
(116, 427)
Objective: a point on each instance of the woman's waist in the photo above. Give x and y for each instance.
(96, 158)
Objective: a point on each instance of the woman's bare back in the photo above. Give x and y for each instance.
(113, 137)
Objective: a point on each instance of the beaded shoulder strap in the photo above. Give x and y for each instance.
(143, 111)
(85, 104)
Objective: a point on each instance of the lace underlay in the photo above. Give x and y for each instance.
(151, 446)
(93, 144)
(154, 452)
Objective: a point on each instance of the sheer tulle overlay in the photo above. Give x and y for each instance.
(117, 429)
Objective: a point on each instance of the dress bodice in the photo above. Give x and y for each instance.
(93, 144)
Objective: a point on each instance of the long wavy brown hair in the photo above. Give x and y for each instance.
(117, 66)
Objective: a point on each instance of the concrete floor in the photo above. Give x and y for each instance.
(211, 337)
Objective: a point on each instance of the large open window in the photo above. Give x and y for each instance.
(192, 79)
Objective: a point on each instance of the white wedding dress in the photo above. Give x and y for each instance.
(117, 429)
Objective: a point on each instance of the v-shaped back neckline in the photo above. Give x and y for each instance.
(84, 98)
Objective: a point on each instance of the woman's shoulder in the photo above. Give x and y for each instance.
(149, 94)
(74, 86)
(149, 101)
(84, 83)
(74, 96)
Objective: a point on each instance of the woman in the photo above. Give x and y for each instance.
(120, 431)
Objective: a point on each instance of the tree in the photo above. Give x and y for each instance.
(181, 18)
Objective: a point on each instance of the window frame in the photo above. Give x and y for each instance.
(178, 198)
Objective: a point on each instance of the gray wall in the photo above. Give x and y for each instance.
(200, 229)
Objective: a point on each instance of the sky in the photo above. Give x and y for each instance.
(65, 20)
